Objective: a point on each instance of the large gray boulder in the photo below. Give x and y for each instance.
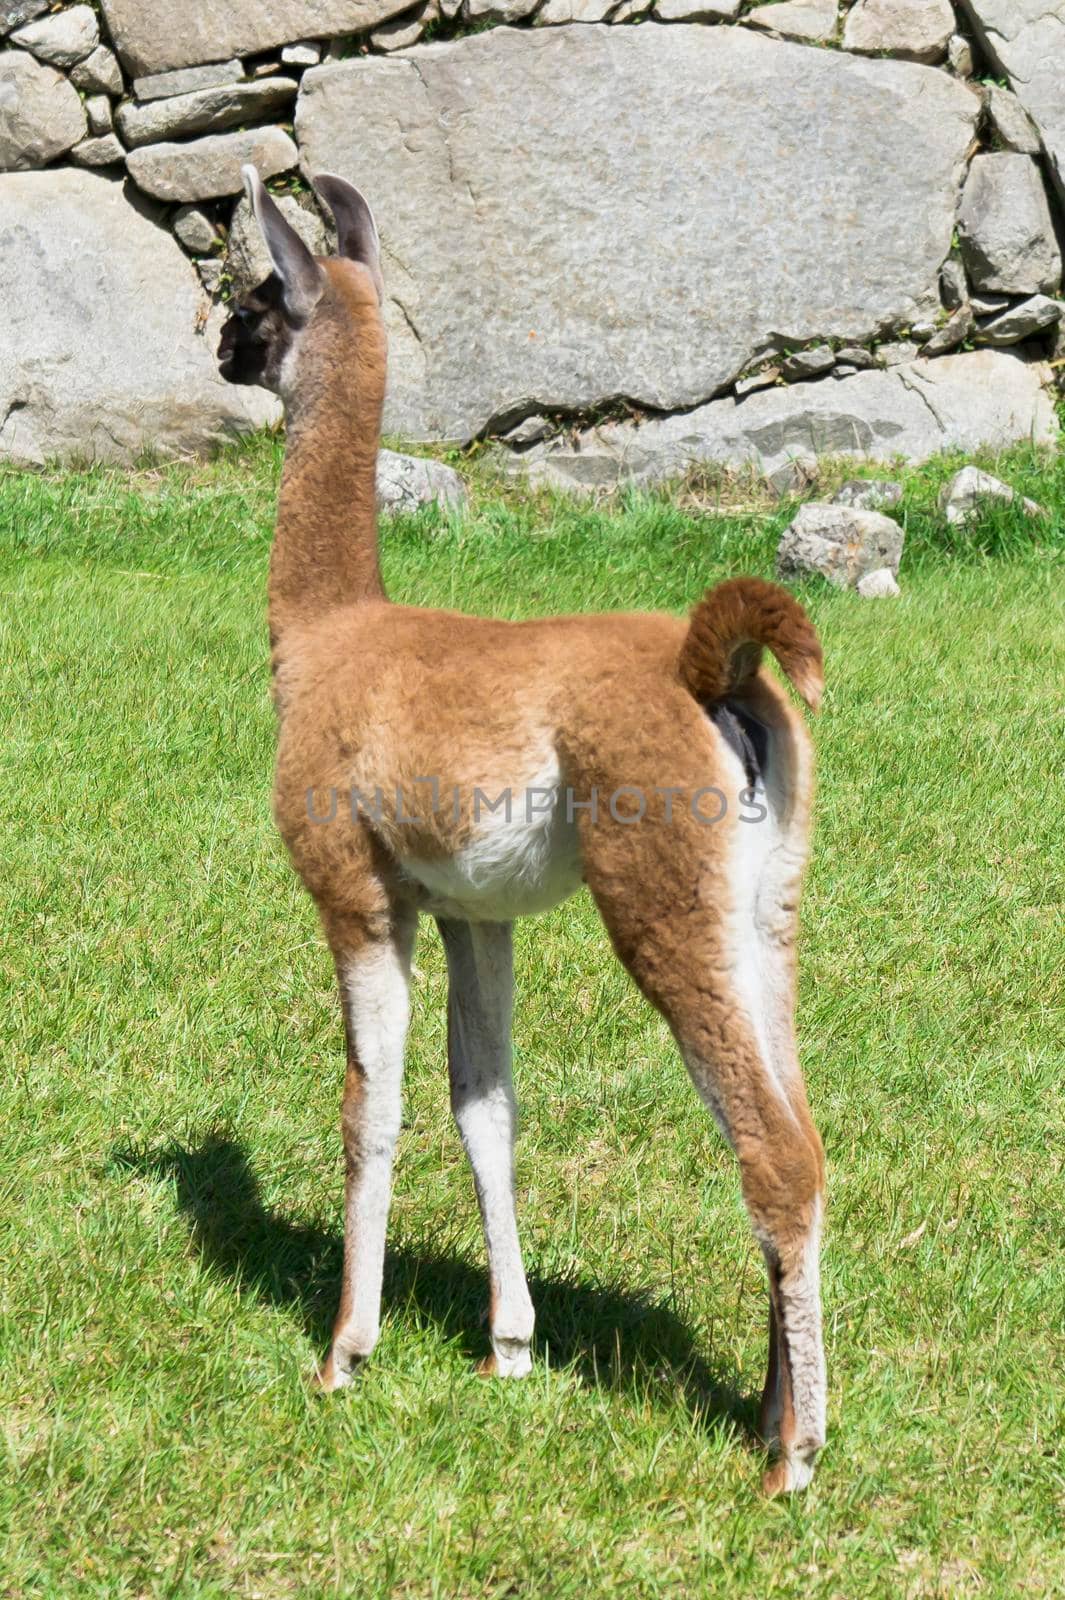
(157, 35)
(551, 238)
(41, 116)
(204, 169)
(102, 355)
(1025, 41)
(1007, 233)
(961, 402)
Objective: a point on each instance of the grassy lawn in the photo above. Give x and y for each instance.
(172, 1059)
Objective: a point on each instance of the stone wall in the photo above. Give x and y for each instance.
(622, 235)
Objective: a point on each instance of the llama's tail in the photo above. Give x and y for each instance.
(728, 629)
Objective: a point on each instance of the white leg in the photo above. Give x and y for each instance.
(374, 987)
(798, 1295)
(481, 984)
(767, 872)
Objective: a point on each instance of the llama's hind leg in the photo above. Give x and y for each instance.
(480, 977)
(765, 988)
(780, 1164)
(674, 916)
(374, 976)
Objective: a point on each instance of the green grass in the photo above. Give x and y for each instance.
(171, 1180)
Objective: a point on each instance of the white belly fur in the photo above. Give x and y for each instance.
(514, 866)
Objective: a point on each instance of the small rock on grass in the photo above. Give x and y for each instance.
(878, 585)
(961, 498)
(868, 494)
(406, 482)
(842, 543)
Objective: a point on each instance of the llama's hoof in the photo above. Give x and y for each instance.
(509, 1359)
(788, 1476)
(335, 1375)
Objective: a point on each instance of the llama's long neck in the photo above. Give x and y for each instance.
(325, 545)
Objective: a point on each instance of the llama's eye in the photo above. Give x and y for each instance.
(245, 316)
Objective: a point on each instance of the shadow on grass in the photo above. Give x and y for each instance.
(611, 1337)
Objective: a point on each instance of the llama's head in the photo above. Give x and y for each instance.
(272, 328)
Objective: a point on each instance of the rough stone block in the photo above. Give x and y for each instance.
(979, 399)
(99, 73)
(1007, 233)
(91, 366)
(1025, 42)
(187, 80)
(1025, 320)
(157, 35)
(916, 30)
(41, 116)
(246, 254)
(105, 151)
(205, 111)
(207, 168)
(583, 259)
(1010, 122)
(813, 20)
(14, 12)
(62, 39)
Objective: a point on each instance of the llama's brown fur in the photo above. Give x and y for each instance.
(375, 697)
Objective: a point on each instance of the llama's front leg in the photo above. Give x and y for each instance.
(374, 986)
(480, 994)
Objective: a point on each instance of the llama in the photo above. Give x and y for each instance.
(656, 760)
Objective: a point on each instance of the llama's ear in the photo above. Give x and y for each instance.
(356, 229)
(299, 272)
